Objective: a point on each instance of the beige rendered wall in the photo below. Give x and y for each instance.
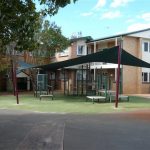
(132, 75)
(72, 53)
(145, 88)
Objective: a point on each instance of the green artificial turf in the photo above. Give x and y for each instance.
(70, 104)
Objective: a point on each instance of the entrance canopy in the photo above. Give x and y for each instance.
(109, 55)
(22, 66)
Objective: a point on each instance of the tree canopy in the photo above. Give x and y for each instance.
(51, 38)
(20, 23)
(54, 5)
(19, 20)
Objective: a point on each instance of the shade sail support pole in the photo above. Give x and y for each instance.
(118, 77)
(16, 86)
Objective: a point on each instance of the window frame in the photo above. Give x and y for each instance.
(148, 46)
(146, 50)
(147, 77)
(83, 50)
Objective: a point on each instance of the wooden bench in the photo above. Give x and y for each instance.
(49, 95)
(93, 98)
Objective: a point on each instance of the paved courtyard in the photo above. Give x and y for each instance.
(23, 130)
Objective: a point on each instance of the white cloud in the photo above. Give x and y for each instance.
(138, 26)
(111, 15)
(146, 16)
(118, 3)
(100, 4)
(87, 14)
(130, 21)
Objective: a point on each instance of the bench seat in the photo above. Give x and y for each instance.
(93, 98)
(120, 97)
(49, 95)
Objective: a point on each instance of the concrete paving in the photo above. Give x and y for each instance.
(107, 132)
(23, 130)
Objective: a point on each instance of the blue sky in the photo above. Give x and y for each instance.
(101, 18)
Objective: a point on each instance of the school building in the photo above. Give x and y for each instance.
(94, 76)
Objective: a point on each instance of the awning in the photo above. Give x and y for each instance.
(22, 66)
(109, 55)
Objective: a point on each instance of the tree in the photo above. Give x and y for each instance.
(18, 20)
(54, 5)
(51, 38)
(17, 23)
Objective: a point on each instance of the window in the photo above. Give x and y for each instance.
(146, 46)
(81, 50)
(145, 77)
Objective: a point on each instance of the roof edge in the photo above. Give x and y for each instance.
(119, 35)
(86, 38)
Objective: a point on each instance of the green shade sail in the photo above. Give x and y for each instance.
(109, 55)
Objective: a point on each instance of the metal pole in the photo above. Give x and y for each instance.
(86, 79)
(68, 80)
(12, 76)
(118, 77)
(101, 78)
(15, 77)
(16, 86)
(82, 81)
(96, 80)
(64, 82)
